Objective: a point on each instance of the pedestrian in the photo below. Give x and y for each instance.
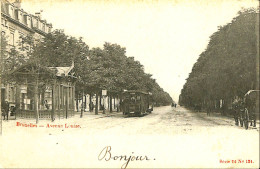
(208, 110)
(91, 106)
(46, 104)
(5, 109)
(235, 110)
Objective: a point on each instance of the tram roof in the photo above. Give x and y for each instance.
(252, 91)
(135, 91)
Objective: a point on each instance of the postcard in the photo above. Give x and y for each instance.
(129, 84)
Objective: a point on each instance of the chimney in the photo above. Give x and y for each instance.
(17, 3)
(39, 14)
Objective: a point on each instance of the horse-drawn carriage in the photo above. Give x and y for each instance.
(246, 110)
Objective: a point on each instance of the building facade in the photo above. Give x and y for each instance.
(15, 24)
(43, 92)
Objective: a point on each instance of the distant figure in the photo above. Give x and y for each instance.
(13, 110)
(46, 104)
(174, 105)
(91, 106)
(5, 109)
(235, 111)
(208, 110)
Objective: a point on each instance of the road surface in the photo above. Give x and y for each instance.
(168, 137)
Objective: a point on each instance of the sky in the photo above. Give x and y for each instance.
(167, 37)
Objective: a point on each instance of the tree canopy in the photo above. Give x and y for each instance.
(96, 69)
(227, 68)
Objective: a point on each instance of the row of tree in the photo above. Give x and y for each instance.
(227, 68)
(98, 68)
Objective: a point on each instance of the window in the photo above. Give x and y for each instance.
(21, 36)
(11, 12)
(16, 15)
(12, 39)
(3, 34)
(43, 27)
(3, 21)
(25, 19)
(37, 23)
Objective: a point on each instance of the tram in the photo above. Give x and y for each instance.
(136, 103)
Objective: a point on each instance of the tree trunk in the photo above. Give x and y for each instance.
(114, 102)
(77, 103)
(59, 97)
(90, 101)
(82, 105)
(85, 103)
(66, 102)
(120, 103)
(104, 110)
(117, 105)
(53, 102)
(100, 98)
(36, 108)
(96, 108)
(110, 103)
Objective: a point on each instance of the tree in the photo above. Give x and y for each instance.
(226, 69)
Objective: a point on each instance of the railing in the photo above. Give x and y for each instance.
(43, 114)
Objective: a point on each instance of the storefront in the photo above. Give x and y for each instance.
(41, 92)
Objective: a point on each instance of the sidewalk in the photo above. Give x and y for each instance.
(218, 116)
(87, 116)
(92, 115)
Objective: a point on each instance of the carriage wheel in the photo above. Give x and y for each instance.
(140, 114)
(241, 119)
(236, 121)
(241, 122)
(246, 119)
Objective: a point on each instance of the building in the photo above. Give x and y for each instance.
(43, 92)
(15, 24)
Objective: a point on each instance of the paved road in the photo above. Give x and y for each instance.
(169, 137)
(163, 120)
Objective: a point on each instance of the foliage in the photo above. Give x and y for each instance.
(96, 69)
(227, 68)
(109, 68)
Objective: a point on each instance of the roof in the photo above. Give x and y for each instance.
(252, 91)
(5, 12)
(61, 71)
(135, 91)
(56, 71)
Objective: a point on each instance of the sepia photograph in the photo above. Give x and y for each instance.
(129, 84)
